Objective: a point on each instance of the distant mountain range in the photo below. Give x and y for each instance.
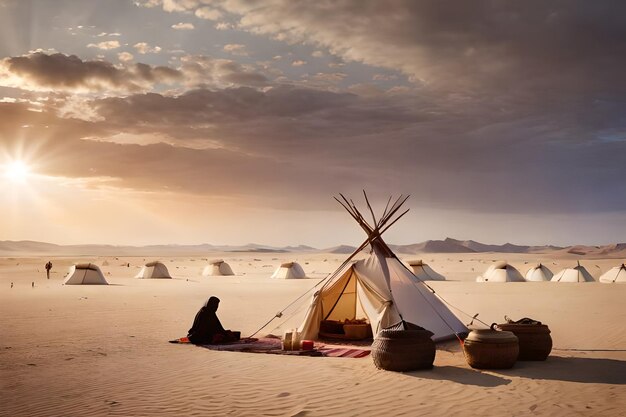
(448, 245)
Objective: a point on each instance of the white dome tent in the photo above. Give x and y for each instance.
(616, 274)
(538, 273)
(217, 268)
(424, 272)
(154, 270)
(85, 274)
(501, 272)
(289, 270)
(575, 274)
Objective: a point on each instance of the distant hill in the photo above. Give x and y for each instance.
(448, 245)
(433, 246)
(505, 248)
(612, 250)
(341, 249)
(9, 248)
(300, 248)
(28, 246)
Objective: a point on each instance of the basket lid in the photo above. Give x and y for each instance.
(524, 328)
(488, 335)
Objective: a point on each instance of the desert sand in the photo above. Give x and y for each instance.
(103, 350)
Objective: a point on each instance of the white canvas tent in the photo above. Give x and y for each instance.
(379, 288)
(501, 272)
(538, 273)
(616, 274)
(575, 274)
(85, 274)
(217, 268)
(424, 272)
(289, 270)
(154, 270)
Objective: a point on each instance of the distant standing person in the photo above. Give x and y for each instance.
(48, 268)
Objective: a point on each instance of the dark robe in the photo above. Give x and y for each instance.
(206, 325)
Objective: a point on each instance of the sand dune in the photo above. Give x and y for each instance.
(102, 350)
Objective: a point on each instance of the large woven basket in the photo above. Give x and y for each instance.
(535, 343)
(397, 349)
(491, 349)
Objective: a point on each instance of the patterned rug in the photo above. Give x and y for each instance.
(344, 352)
(274, 346)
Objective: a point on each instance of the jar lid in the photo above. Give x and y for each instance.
(488, 335)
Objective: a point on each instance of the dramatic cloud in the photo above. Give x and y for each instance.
(202, 70)
(188, 170)
(444, 44)
(42, 72)
(355, 138)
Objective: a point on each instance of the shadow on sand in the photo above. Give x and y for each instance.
(461, 376)
(556, 368)
(586, 370)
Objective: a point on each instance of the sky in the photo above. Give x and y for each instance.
(236, 121)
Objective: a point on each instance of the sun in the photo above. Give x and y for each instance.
(16, 171)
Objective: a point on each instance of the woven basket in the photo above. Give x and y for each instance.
(491, 349)
(535, 343)
(403, 350)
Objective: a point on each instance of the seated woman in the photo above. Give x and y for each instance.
(206, 328)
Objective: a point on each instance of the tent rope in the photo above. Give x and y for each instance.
(324, 280)
(280, 313)
(474, 317)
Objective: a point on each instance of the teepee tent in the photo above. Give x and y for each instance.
(154, 270)
(424, 272)
(289, 270)
(85, 274)
(217, 268)
(575, 274)
(380, 288)
(538, 272)
(616, 274)
(501, 272)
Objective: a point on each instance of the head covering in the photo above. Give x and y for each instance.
(212, 303)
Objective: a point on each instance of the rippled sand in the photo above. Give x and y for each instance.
(102, 350)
